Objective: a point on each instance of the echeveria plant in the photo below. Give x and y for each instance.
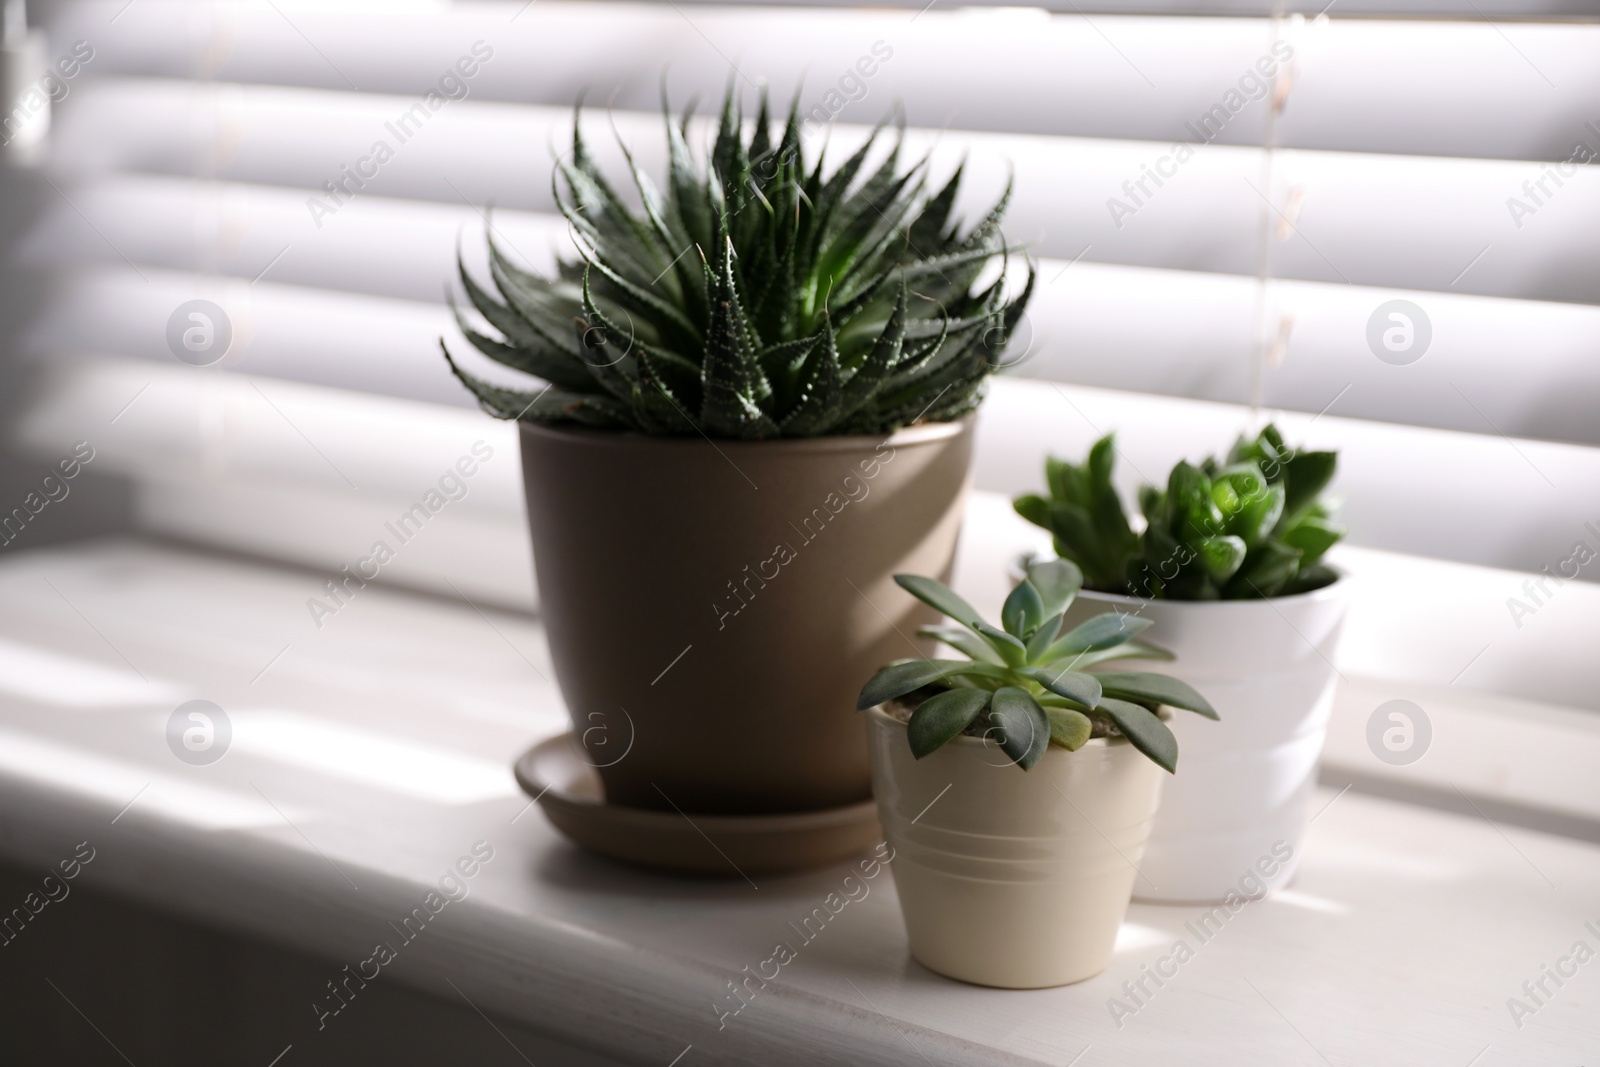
(752, 297)
(1026, 686)
(1252, 526)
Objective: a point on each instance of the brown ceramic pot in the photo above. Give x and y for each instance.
(713, 608)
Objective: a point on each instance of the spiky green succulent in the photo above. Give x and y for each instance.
(754, 298)
(1028, 686)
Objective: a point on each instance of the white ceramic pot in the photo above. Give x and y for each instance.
(1011, 878)
(1244, 784)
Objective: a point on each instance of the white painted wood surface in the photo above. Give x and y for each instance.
(371, 754)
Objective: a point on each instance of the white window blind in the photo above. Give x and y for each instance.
(1198, 254)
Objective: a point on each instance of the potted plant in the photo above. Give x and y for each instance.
(1229, 568)
(756, 401)
(1015, 786)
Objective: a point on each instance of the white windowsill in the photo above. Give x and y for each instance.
(1422, 921)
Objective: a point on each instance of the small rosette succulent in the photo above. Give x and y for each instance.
(1026, 685)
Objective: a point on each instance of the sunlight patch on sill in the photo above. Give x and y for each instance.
(132, 791)
(47, 677)
(1296, 899)
(368, 757)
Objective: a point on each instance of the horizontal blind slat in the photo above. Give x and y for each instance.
(1455, 89)
(1169, 332)
(1391, 221)
(1403, 487)
(1400, 484)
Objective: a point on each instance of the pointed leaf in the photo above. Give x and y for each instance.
(1020, 727)
(1023, 610)
(548, 405)
(1312, 537)
(898, 679)
(1057, 580)
(927, 234)
(729, 405)
(1014, 652)
(1127, 650)
(1265, 571)
(940, 597)
(870, 376)
(1306, 475)
(963, 641)
(1145, 730)
(1042, 637)
(1074, 685)
(1034, 508)
(1221, 556)
(822, 389)
(1103, 631)
(1149, 687)
(940, 719)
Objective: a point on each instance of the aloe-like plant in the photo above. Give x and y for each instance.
(1025, 686)
(754, 298)
(1252, 526)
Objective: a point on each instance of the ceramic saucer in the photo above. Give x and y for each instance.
(569, 790)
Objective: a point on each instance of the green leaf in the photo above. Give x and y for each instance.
(1221, 556)
(1067, 483)
(1259, 515)
(1189, 495)
(1103, 631)
(545, 307)
(690, 209)
(1074, 685)
(1081, 542)
(898, 679)
(940, 597)
(1014, 652)
(821, 389)
(1233, 488)
(728, 152)
(1306, 475)
(1087, 518)
(1023, 610)
(870, 376)
(940, 719)
(1023, 730)
(1312, 537)
(1150, 501)
(1149, 687)
(553, 405)
(1057, 580)
(1069, 728)
(927, 232)
(1127, 650)
(1034, 508)
(1265, 572)
(963, 641)
(1313, 577)
(1144, 730)
(730, 405)
(1040, 641)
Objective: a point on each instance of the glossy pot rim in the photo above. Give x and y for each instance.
(906, 436)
